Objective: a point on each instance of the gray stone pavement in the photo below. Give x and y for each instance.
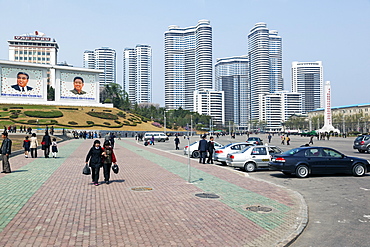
(150, 202)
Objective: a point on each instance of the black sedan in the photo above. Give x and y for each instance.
(304, 161)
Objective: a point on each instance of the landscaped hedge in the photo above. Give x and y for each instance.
(16, 107)
(90, 122)
(44, 114)
(121, 114)
(68, 108)
(106, 123)
(72, 123)
(103, 115)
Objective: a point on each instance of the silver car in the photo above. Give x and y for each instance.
(252, 158)
(221, 153)
(194, 153)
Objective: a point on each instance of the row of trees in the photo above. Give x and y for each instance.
(113, 93)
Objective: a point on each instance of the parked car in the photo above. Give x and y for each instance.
(253, 157)
(158, 136)
(254, 140)
(304, 161)
(194, 153)
(221, 153)
(362, 143)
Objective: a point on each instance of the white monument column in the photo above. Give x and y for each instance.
(328, 124)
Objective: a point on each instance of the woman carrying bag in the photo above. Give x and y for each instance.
(95, 155)
(108, 159)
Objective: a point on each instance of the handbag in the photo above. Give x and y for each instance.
(115, 168)
(86, 170)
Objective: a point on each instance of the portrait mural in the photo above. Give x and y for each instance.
(80, 86)
(22, 82)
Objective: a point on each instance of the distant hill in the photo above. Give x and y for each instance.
(73, 117)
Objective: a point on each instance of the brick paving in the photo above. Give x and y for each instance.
(48, 202)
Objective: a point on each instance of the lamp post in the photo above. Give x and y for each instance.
(358, 124)
(164, 117)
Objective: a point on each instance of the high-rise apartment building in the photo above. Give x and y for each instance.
(307, 78)
(89, 60)
(276, 108)
(104, 58)
(232, 77)
(137, 73)
(210, 102)
(33, 48)
(265, 59)
(188, 63)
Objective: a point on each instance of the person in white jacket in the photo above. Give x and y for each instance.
(33, 145)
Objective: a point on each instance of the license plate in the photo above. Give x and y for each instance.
(265, 160)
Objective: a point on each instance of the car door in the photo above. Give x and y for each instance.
(315, 160)
(260, 156)
(335, 161)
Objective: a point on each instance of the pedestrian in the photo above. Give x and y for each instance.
(46, 143)
(311, 140)
(282, 140)
(269, 137)
(287, 140)
(111, 139)
(33, 145)
(94, 158)
(26, 146)
(211, 149)
(177, 142)
(54, 147)
(152, 140)
(108, 159)
(6, 150)
(202, 148)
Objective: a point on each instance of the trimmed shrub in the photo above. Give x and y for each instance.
(117, 122)
(68, 108)
(72, 123)
(121, 114)
(106, 123)
(107, 110)
(53, 121)
(16, 107)
(90, 122)
(44, 114)
(5, 109)
(32, 121)
(103, 115)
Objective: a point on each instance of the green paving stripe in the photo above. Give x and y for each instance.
(232, 195)
(19, 186)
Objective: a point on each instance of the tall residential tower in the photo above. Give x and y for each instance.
(188, 63)
(137, 73)
(102, 58)
(265, 58)
(307, 78)
(232, 77)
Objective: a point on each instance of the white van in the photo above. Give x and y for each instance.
(158, 136)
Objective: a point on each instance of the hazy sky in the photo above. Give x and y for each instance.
(336, 32)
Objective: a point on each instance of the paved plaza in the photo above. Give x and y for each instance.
(150, 202)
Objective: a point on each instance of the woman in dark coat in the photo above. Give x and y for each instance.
(108, 159)
(46, 143)
(95, 157)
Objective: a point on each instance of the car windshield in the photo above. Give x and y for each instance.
(359, 138)
(291, 152)
(245, 149)
(252, 139)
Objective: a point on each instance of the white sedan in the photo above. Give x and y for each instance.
(194, 153)
(253, 157)
(222, 152)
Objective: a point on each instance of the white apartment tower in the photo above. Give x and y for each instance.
(232, 77)
(137, 73)
(210, 102)
(188, 63)
(33, 48)
(265, 59)
(307, 78)
(277, 107)
(104, 58)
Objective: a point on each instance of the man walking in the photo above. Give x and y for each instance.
(6, 149)
(202, 148)
(211, 149)
(177, 142)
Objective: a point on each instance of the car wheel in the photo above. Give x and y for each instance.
(195, 154)
(223, 163)
(368, 149)
(362, 151)
(359, 170)
(250, 167)
(302, 171)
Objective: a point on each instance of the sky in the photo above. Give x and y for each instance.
(336, 32)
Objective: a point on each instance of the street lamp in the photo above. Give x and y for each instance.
(358, 124)
(164, 116)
